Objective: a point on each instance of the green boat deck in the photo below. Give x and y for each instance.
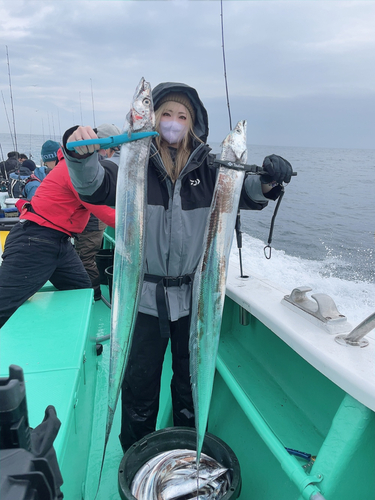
(265, 398)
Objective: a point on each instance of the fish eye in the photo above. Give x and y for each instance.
(146, 101)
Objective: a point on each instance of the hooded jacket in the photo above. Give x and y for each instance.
(176, 213)
(57, 205)
(32, 185)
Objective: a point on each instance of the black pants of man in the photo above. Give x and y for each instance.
(87, 245)
(141, 386)
(33, 255)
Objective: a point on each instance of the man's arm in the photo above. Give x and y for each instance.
(95, 183)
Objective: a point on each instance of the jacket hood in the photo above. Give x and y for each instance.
(41, 172)
(201, 116)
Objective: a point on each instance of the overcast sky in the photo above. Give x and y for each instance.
(301, 72)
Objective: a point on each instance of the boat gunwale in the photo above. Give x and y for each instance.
(350, 368)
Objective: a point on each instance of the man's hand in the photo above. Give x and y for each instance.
(82, 134)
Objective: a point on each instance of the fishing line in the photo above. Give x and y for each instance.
(224, 64)
(238, 219)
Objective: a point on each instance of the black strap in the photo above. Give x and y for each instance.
(30, 208)
(161, 301)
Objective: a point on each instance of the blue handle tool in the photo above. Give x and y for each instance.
(112, 141)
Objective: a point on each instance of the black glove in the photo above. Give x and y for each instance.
(278, 170)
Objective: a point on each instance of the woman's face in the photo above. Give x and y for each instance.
(174, 123)
(174, 111)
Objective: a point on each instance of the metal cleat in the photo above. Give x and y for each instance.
(322, 310)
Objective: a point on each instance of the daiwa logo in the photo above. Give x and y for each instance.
(194, 182)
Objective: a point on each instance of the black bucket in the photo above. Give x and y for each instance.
(109, 280)
(171, 439)
(104, 259)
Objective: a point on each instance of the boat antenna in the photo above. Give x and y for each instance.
(11, 100)
(238, 219)
(6, 114)
(92, 99)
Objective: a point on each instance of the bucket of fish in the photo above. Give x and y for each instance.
(104, 259)
(163, 465)
(109, 275)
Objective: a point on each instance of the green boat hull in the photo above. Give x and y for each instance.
(266, 398)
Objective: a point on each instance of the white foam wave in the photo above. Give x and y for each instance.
(354, 299)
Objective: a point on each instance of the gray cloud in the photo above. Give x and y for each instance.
(301, 72)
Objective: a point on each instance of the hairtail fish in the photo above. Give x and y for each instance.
(210, 278)
(131, 199)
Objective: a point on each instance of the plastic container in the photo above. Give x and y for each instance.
(10, 202)
(109, 277)
(104, 259)
(176, 438)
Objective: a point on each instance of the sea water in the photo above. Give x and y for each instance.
(324, 234)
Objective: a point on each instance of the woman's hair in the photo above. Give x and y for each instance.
(184, 146)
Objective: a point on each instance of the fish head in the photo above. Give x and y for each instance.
(234, 146)
(141, 115)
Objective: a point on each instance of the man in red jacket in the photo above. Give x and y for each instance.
(38, 248)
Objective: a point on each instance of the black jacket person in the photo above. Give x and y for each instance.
(181, 184)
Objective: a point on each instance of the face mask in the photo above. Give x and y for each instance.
(172, 131)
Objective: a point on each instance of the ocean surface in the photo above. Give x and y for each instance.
(324, 234)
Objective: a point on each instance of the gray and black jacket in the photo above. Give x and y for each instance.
(176, 213)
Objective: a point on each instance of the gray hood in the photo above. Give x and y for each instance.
(201, 117)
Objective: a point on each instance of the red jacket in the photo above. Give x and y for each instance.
(56, 204)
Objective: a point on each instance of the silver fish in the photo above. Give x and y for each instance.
(173, 474)
(210, 278)
(130, 241)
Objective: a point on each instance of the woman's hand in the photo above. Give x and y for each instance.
(82, 134)
(277, 170)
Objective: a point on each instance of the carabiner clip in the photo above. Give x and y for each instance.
(265, 251)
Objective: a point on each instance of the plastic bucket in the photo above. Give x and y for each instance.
(171, 439)
(104, 259)
(109, 280)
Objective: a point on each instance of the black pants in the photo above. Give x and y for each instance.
(141, 386)
(87, 245)
(33, 255)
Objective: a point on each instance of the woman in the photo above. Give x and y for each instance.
(181, 182)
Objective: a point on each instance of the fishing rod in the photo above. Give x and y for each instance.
(238, 218)
(3, 183)
(92, 99)
(11, 100)
(253, 169)
(6, 114)
(31, 126)
(80, 106)
(53, 128)
(58, 122)
(2, 154)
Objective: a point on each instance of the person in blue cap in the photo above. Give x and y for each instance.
(37, 174)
